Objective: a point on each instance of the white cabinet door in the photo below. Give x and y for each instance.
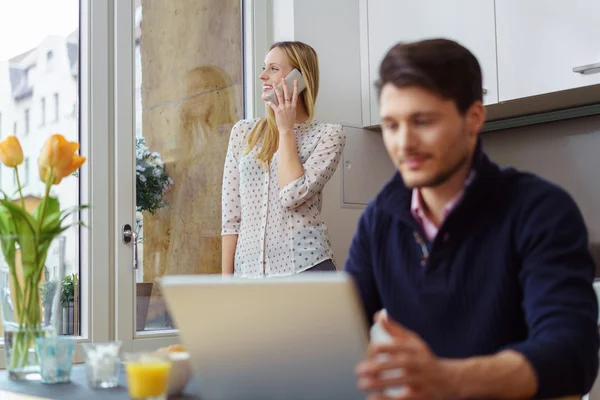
(541, 41)
(469, 22)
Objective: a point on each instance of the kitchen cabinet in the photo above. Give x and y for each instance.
(387, 22)
(366, 166)
(540, 42)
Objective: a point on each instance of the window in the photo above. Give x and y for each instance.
(43, 111)
(27, 104)
(56, 107)
(26, 121)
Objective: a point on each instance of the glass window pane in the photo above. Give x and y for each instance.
(39, 65)
(188, 97)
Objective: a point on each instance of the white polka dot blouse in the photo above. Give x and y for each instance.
(280, 232)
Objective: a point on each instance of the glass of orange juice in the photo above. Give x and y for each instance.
(147, 375)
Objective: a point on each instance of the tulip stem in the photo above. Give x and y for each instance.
(19, 186)
(49, 180)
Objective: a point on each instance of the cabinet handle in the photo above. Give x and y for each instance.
(587, 69)
(484, 91)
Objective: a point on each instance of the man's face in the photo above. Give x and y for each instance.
(426, 136)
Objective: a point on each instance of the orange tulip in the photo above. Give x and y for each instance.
(59, 158)
(11, 153)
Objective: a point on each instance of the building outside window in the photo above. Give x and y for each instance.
(49, 59)
(56, 107)
(43, 111)
(26, 114)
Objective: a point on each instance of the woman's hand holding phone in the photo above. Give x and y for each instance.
(285, 110)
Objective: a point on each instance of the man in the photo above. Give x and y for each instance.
(485, 273)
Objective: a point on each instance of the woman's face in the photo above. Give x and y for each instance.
(276, 67)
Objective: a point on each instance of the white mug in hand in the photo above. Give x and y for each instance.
(380, 336)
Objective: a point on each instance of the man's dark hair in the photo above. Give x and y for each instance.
(440, 65)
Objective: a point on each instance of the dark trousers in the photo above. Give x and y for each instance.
(323, 266)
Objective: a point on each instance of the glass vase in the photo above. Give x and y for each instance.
(30, 289)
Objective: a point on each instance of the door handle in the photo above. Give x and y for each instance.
(129, 236)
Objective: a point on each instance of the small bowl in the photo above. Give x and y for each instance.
(181, 372)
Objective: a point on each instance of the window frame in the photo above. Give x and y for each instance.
(256, 28)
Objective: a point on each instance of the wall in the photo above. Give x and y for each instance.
(563, 152)
(330, 27)
(282, 14)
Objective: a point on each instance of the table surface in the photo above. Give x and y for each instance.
(77, 389)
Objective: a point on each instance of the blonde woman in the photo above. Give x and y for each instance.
(275, 171)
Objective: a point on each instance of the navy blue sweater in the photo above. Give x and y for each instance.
(510, 268)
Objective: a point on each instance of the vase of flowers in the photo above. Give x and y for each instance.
(32, 253)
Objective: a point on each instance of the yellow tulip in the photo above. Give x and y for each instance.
(11, 153)
(59, 158)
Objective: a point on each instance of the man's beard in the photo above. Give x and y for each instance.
(443, 176)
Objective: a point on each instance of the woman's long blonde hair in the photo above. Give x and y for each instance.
(304, 58)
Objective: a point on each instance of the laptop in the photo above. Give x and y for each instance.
(290, 338)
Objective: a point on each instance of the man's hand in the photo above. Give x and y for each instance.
(424, 376)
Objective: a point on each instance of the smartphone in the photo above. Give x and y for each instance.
(295, 75)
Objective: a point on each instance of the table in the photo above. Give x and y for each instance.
(77, 389)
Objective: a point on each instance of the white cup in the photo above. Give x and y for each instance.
(380, 336)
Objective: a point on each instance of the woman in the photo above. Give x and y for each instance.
(275, 171)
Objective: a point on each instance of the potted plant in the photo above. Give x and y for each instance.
(151, 184)
(67, 301)
(25, 239)
(152, 181)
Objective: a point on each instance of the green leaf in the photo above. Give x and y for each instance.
(7, 236)
(59, 230)
(26, 234)
(50, 205)
(50, 223)
(19, 214)
(9, 249)
(6, 226)
(72, 210)
(27, 245)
